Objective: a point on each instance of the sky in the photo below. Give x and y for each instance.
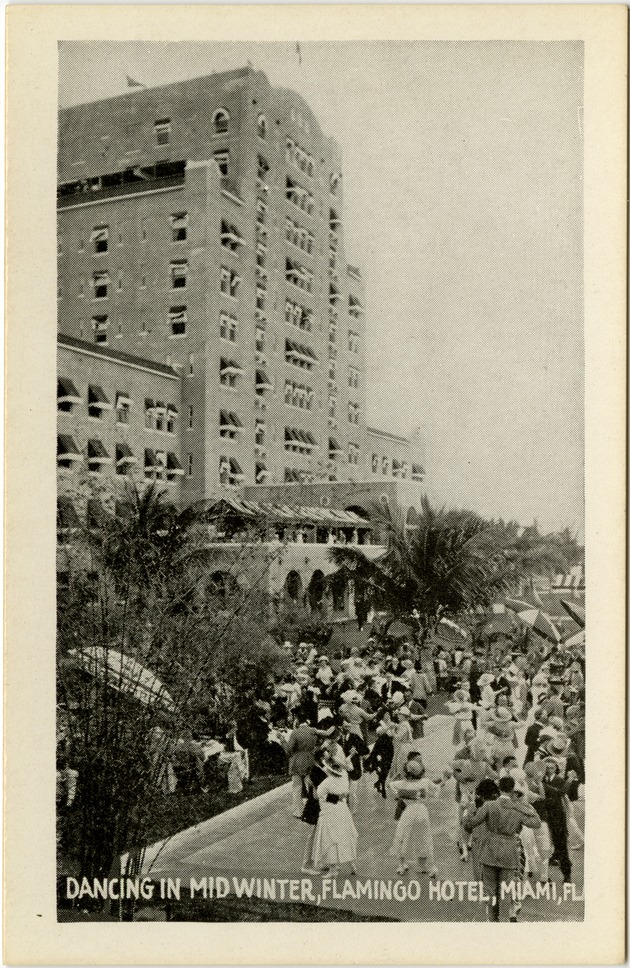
(462, 167)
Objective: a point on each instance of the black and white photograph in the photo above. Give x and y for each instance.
(321, 561)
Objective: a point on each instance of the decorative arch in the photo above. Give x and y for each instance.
(316, 589)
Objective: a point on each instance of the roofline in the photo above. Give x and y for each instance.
(386, 433)
(117, 356)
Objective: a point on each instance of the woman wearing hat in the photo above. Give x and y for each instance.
(554, 789)
(462, 709)
(382, 753)
(413, 839)
(402, 739)
(502, 727)
(335, 841)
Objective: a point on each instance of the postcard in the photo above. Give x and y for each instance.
(296, 641)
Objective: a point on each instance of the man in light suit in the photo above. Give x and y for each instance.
(500, 855)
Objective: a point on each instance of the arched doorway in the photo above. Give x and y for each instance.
(293, 586)
(316, 589)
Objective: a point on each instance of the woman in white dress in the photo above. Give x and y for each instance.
(403, 742)
(335, 842)
(413, 839)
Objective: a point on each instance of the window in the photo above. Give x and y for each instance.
(260, 298)
(229, 282)
(353, 454)
(100, 284)
(67, 452)
(355, 307)
(173, 467)
(298, 355)
(230, 237)
(332, 332)
(375, 463)
(353, 377)
(297, 395)
(300, 158)
(230, 473)
(332, 408)
(222, 159)
(100, 239)
(191, 364)
(171, 417)
(259, 438)
(417, 472)
(299, 441)
(334, 183)
(353, 341)
(260, 339)
(123, 408)
(261, 212)
(179, 271)
(97, 456)
(353, 413)
(221, 121)
(299, 197)
(67, 395)
(297, 315)
(149, 413)
(261, 126)
(228, 327)
(151, 466)
(162, 131)
(191, 414)
(385, 465)
(189, 464)
(229, 425)
(125, 458)
(262, 173)
(97, 402)
(298, 275)
(263, 383)
(159, 415)
(179, 226)
(100, 325)
(229, 371)
(261, 473)
(178, 317)
(261, 256)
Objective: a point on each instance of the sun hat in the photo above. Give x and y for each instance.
(404, 711)
(322, 658)
(559, 744)
(461, 695)
(556, 721)
(351, 695)
(414, 768)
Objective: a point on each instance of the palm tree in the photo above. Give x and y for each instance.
(448, 563)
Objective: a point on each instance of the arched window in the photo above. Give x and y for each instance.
(262, 126)
(293, 586)
(221, 121)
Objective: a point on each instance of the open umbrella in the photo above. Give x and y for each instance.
(124, 674)
(535, 618)
(577, 612)
(450, 629)
(578, 639)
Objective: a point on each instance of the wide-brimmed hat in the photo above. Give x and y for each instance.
(336, 762)
(461, 695)
(407, 663)
(351, 695)
(556, 721)
(414, 767)
(485, 679)
(559, 744)
(404, 711)
(322, 658)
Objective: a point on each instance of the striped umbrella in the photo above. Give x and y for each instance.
(537, 620)
(124, 674)
(577, 612)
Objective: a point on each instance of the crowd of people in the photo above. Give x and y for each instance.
(514, 767)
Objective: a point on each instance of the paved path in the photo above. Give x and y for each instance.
(266, 841)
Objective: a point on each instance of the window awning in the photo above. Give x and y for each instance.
(149, 404)
(160, 457)
(333, 446)
(100, 278)
(150, 460)
(229, 421)
(100, 234)
(235, 469)
(172, 409)
(125, 455)
(97, 453)
(173, 465)
(231, 368)
(160, 405)
(67, 448)
(262, 474)
(97, 398)
(179, 220)
(66, 391)
(262, 381)
(122, 400)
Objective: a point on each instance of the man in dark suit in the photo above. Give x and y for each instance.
(500, 854)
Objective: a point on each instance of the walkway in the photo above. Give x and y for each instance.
(267, 842)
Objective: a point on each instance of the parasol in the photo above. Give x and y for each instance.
(537, 620)
(450, 629)
(124, 674)
(578, 639)
(577, 612)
